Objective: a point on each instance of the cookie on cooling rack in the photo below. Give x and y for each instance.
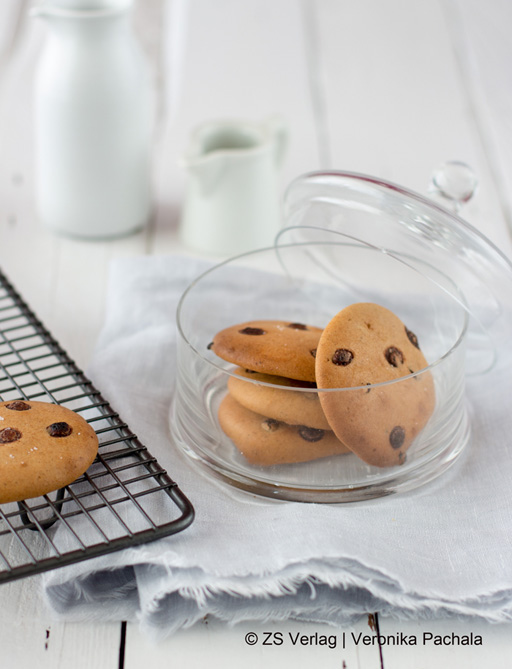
(43, 447)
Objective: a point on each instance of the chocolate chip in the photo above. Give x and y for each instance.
(313, 352)
(412, 338)
(9, 434)
(18, 405)
(252, 331)
(297, 326)
(394, 356)
(343, 357)
(401, 458)
(397, 436)
(310, 433)
(59, 430)
(270, 425)
(210, 345)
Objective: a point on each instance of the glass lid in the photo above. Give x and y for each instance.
(367, 212)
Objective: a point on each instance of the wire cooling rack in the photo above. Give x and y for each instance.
(123, 500)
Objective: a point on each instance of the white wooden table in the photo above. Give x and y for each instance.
(390, 88)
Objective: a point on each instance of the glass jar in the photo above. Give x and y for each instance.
(349, 238)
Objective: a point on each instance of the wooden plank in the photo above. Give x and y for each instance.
(386, 97)
(28, 637)
(27, 253)
(446, 643)
(484, 50)
(11, 12)
(396, 105)
(272, 645)
(77, 309)
(63, 279)
(241, 60)
(81, 268)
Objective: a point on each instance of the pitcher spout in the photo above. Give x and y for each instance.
(207, 170)
(216, 144)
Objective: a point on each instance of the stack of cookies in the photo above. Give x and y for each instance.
(275, 413)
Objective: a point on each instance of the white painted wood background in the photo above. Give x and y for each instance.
(391, 88)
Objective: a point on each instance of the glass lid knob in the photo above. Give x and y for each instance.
(455, 182)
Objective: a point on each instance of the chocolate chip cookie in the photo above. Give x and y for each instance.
(43, 447)
(280, 348)
(266, 441)
(363, 348)
(287, 400)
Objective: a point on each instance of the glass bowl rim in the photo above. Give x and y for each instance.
(212, 363)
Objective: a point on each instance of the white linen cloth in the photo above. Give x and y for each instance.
(443, 550)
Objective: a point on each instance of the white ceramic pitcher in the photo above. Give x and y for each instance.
(233, 203)
(93, 113)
